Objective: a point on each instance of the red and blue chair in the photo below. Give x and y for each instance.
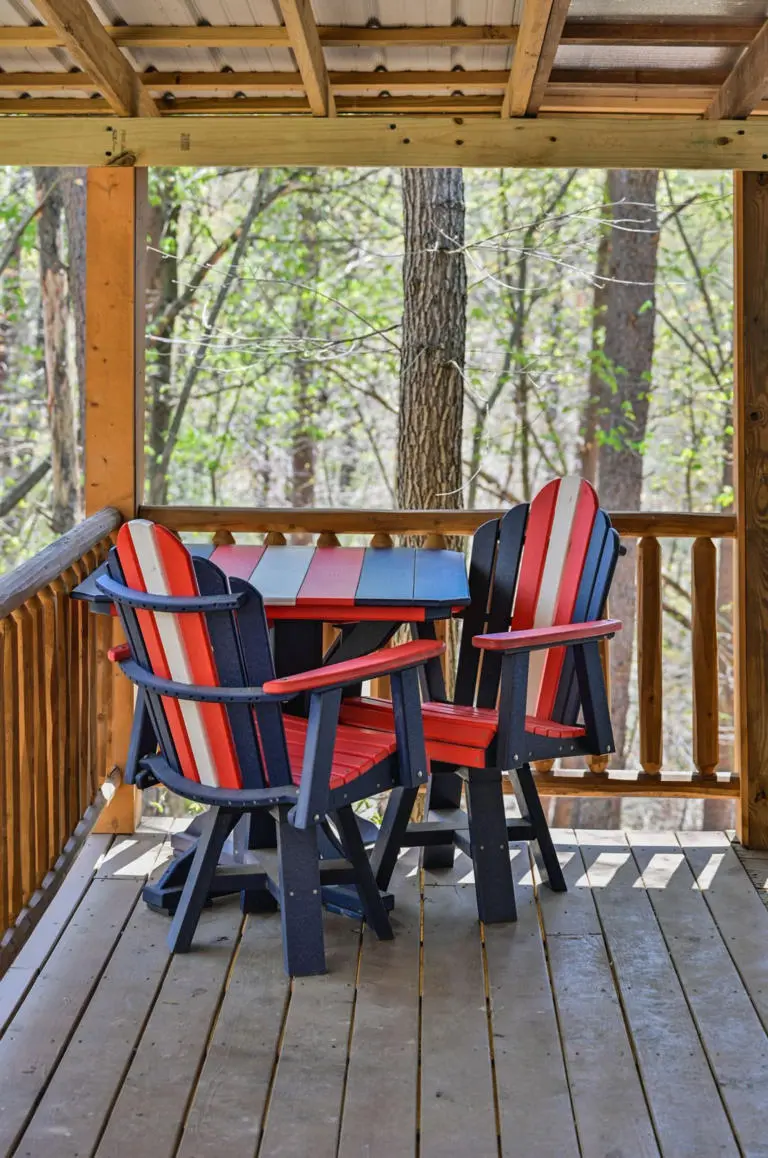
(529, 686)
(198, 649)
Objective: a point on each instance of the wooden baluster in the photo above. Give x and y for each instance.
(435, 541)
(706, 738)
(274, 539)
(37, 748)
(223, 538)
(649, 641)
(11, 884)
(102, 630)
(91, 775)
(381, 539)
(61, 687)
(79, 666)
(52, 723)
(25, 749)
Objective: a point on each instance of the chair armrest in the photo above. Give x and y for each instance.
(119, 654)
(386, 661)
(537, 638)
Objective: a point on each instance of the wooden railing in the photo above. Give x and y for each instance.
(56, 766)
(647, 529)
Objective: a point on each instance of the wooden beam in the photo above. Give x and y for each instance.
(117, 208)
(484, 141)
(305, 42)
(712, 34)
(747, 83)
(750, 461)
(535, 49)
(84, 37)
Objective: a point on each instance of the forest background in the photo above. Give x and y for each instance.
(414, 338)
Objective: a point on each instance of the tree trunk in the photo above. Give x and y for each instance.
(303, 440)
(429, 469)
(53, 282)
(596, 387)
(74, 192)
(627, 359)
(163, 285)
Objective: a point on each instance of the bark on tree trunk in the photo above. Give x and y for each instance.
(74, 192)
(163, 282)
(65, 465)
(303, 440)
(628, 358)
(596, 387)
(429, 464)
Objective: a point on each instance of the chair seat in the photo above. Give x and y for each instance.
(356, 750)
(454, 733)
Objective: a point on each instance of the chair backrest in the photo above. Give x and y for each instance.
(544, 563)
(222, 745)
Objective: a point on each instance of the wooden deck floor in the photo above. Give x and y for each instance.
(622, 1020)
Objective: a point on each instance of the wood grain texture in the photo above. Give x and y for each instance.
(85, 39)
(649, 647)
(746, 84)
(485, 141)
(305, 43)
(705, 669)
(275, 520)
(685, 1105)
(535, 48)
(751, 471)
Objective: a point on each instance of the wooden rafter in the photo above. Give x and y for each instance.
(746, 84)
(305, 42)
(539, 35)
(711, 35)
(84, 37)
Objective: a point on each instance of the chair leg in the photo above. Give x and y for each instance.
(443, 791)
(373, 906)
(300, 898)
(494, 885)
(391, 834)
(217, 824)
(543, 849)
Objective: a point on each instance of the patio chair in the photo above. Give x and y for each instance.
(198, 645)
(529, 686)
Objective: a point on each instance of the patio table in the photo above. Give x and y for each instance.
(368, 592)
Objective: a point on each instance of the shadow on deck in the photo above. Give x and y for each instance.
(626, 1018)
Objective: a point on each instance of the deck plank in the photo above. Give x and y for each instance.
(225, 1117)
(304, 1111)
(380, 1105)
(609, 1104)
(40, 1030)
(71, 1115)
(728, 1025)
(737, 908)
(160, 1080)
(684, 1100)
(457, 1093)
(534, 1102)
(35, 951)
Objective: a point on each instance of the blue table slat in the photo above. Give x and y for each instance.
(202, 550)
(387, 576)
(280, 573)
(441, 577)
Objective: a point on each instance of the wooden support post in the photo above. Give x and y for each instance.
(706, 683)
(114, 422)
(750, 462)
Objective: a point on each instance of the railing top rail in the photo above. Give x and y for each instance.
(24, 581)
(632, 524)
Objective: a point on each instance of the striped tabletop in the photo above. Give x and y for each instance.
(410, 583)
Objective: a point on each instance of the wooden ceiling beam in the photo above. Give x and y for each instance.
(710, 34)
(746, 84)
(84, 37)
(426, 81)
(551, 142)
(308, 51)
(539, 35)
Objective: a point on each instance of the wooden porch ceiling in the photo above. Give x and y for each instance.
(692, 67)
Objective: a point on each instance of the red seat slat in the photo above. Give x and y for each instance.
(454, 732)
(356, 750)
